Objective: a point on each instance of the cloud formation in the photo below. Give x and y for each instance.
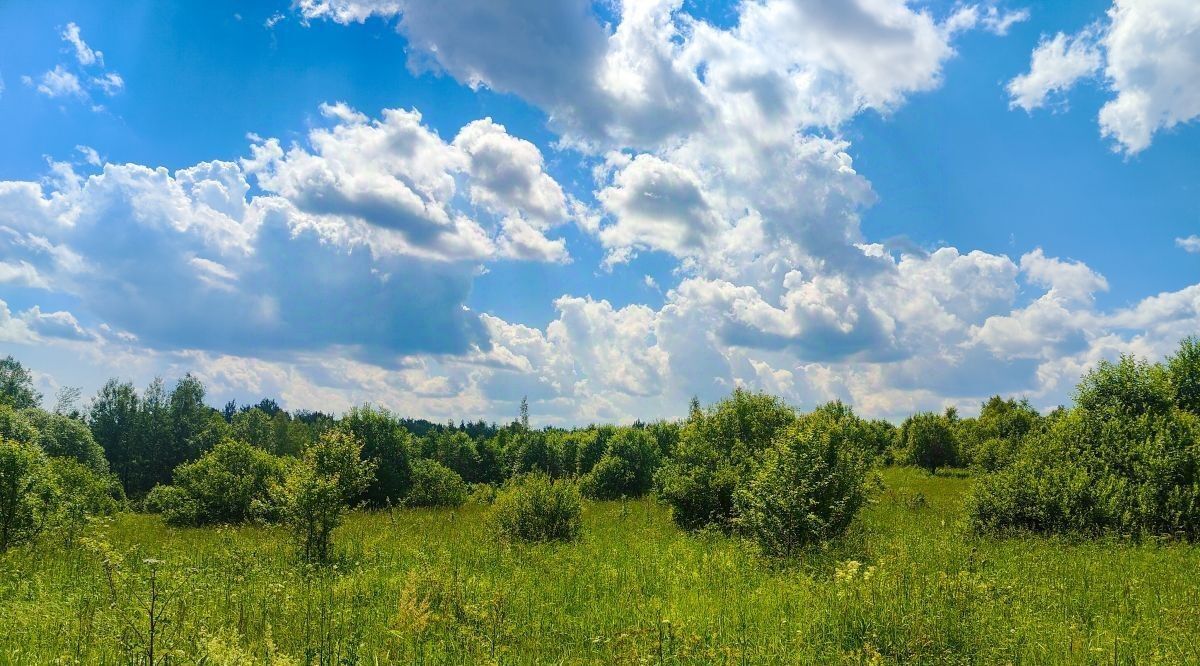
(1149, 55)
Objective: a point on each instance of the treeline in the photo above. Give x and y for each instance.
(1125, 459)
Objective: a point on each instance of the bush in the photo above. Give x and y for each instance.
(434, 484)
(715, 454)
(927, 441)
(62, 436)
(232, 483)
(319, 489)
(626, 469)
(27, 492)
(1126, 460)
(535, 508)
(82, 493)
(807, 487)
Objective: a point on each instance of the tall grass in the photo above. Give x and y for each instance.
(908, 584)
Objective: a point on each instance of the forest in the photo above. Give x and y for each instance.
(150, 527)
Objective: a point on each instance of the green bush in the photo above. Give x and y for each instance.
(536, 508)
(807, 487)
(27, 493)
(434, 484)
(82, 493)
(1126, 460)
(927, 440)
(62, 436)
(626, 469)
(715, 454)
(388, 446)
(233, 483)
(318, 491)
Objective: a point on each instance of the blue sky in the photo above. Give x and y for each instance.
(890, 203)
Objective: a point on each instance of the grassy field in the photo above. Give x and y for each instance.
(433, 586)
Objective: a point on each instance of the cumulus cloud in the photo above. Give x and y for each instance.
(361, 240)
(1150, 58)
(1189, 244)
(1056, 65)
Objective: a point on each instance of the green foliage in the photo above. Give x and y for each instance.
(16, 426)
(808, 486)
(1126, 460)
(456, 450)
(388, 446)
(536, 508)
(991, 441)
(233, 483)
(626, 469)
(434, 484)
(81, 493)
(715, 454)
(927, 440)
(16, 385)
(318, 491)
(27, 493)
(1183, 372)
(62, 436)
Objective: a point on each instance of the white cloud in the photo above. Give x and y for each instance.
(58, 82)
(88, 75)
(1056, 65)
(83, 53)
(1071, 280)
(1189, 244)
(1151, 63)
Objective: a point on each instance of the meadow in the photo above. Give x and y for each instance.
(907, 584)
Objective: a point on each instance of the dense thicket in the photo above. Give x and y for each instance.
(1125, 460)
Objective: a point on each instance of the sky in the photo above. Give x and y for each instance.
(608, 207)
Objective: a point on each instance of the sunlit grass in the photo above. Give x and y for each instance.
(908, 584)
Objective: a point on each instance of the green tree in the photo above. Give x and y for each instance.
(388, 446)
(808, 487)
(232, 483)
(16, 385)
(928, 441)
(1183, 370)
(114, 420)
(434, 484)
(626, 469)
(26, 493)
(62, 436)
(319, 489)
(715, 454)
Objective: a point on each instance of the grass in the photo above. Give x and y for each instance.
(434, 586)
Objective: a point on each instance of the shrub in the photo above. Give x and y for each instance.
(27, 492)
(319, 489)
(63, 436)
(434, 484)
(483, 494)
(807, 487)
(535, 508)
(232, 483)
(715, 454)
(927, 441)
(1126, 460)
(626, 469)
(81, 493)
(991, 441)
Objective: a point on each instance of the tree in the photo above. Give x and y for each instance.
(626, 469)
(525, 413)
(16, 385)
(62, 436)
(232, 483)
(715, 454)
(388, 446)
(434, 484)
(114, 420)
(808, 486)
(26, 492)
(319, 489)
(928, 441)
(1184, 375)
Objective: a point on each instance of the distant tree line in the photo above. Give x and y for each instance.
(1125, 458)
